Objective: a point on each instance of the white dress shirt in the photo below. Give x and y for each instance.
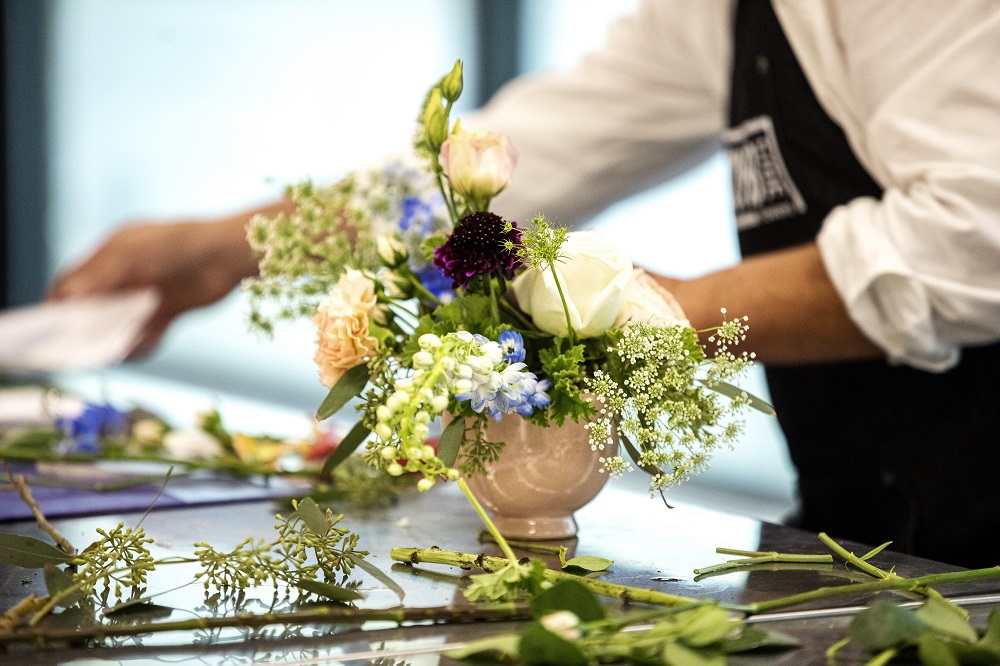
(915, 87)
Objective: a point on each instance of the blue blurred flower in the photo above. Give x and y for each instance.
(512, 346)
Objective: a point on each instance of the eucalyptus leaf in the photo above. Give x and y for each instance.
(450, 441)
(947, 619)
(756, 638)
(540, 646)
(30, 553)
(731, 392)
(884, 625)
(329, 590)
(57, 580)
(935, 652)
(488, 648)
(378, 574)
(357, 435)
(350, 385)
(138, 609)
(313, 516)
(588, 563)
(568, 595)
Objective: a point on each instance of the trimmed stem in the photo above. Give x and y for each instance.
(492, 564)
(21, 485)
(322, 615)
(764, 558)
(489, 523)
(894, 583)
(851, 558)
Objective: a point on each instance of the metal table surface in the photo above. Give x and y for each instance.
(651, 546)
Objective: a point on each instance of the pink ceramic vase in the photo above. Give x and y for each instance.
(541, 477)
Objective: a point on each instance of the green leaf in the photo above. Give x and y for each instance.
(138, 609)
(57, 580)
(589, 563)
(682, 655)
(935, 652)
(540, 646)
(350, 385)
(378, 574)
(704, 626)
(568, 595)
(875, 551)
(313, 516)
(731, 391)
(884, 625)
(329, 590)
(991, 637)
(30, 553)
(358, 434)
(450, 441)
(947, 619)
(488, 648)
(755, 638)
(634, 454)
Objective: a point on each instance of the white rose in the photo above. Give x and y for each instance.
(191, 444)
(593, 276)
(647, 302)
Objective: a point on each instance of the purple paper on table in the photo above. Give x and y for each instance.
(189, 490)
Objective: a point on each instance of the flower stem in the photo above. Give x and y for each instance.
(570, 334)
(489, 523)
(764, 558)
(492, 564)
(494, 307)
(321, 615)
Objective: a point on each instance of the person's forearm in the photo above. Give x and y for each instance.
(795, 314)
(231, 234)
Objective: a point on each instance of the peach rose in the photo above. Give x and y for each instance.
(342, 339)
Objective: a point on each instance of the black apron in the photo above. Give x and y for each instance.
(883, 452)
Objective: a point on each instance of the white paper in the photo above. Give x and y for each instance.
(76, 333)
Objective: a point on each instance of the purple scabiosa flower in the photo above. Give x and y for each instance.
(476, 247)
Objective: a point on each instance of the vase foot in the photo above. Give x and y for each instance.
(536, 528)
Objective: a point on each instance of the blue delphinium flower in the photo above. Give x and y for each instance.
(82, 433)
(512, 346)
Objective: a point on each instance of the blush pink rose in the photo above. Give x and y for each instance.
(478, 165)
(342, 339)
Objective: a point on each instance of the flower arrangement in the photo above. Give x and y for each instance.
(427, 303)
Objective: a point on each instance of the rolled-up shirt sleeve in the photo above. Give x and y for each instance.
(919, 98)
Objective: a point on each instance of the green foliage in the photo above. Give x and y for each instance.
(938, 632)
(567, 370)
(350, 385)
(587, 563)
(508, 583)
(28, 552)
(119, 560)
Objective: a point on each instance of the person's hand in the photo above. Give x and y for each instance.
(191, 264)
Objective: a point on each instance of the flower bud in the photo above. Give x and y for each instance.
(422, 432)
(388, 452)
(425, 484)
(396, 285)
(439, 403)
(462, 386)
(453, 474)
(383, 431)
(429, 341)
(383, 413)
(429, 451)
(478, 165)
(564, 624)
(391, 250)
(423, 359)
(451, 86)
(395, 469)
(435, 121)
